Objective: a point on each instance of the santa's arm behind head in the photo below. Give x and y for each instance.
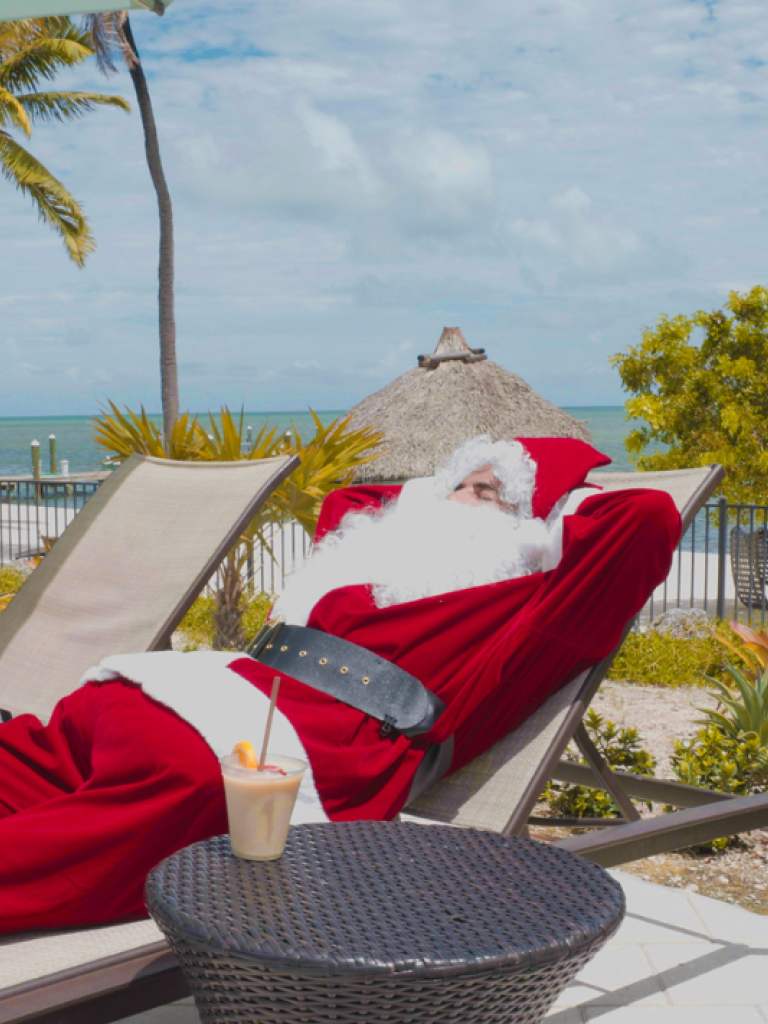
(352, 499)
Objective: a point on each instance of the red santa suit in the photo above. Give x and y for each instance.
(117, 781)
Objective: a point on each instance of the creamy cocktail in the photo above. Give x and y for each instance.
(260, 804)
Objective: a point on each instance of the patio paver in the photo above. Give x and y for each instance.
(678, 958)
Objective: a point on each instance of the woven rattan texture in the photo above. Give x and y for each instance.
(229, 992)
(382, 921)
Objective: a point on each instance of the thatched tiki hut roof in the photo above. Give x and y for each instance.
(452, 395)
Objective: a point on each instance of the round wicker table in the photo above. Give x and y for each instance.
(382, 922)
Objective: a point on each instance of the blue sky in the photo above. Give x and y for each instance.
(350, 178)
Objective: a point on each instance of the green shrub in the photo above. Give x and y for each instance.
(659, 659)
(621, 749)
(724, 763)
(10, 579)
(10, 583)
(727, 764)
(198, 626)
(255, 614)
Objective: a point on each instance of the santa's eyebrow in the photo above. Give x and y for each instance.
(479, 485)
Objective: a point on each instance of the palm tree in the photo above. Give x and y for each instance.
(110, 35)
(32, 51)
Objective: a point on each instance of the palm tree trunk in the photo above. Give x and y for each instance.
(168, 369)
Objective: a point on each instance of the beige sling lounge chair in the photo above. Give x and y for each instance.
(499, 789)
(119, 580)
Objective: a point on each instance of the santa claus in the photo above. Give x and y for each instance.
(489, 585)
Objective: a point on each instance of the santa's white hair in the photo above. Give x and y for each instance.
(512, 465)
(423, 545)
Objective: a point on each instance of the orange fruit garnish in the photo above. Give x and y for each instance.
(246, 753)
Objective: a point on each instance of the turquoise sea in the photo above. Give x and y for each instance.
(74, 439)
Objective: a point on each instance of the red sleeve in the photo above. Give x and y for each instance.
(352, 499)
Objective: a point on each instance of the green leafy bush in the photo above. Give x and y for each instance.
(725, 763)
(11, 579)
(658, 659)
(10, 583)
(621, 749)
(198, 624)
(255, 614)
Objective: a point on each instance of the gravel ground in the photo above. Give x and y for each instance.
(661, 716)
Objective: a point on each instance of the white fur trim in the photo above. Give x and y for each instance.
(224, 708)
(551, 557)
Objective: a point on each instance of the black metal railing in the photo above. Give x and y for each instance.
(720, 566)
(36, 512)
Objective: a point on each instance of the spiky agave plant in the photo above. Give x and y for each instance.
(748, 715)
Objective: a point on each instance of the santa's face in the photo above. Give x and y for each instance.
(420, 547)
(482, 487)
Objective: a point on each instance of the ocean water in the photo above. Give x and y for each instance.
(74, 435)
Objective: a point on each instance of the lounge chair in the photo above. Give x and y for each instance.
(120, 578)
(499, 789)
(749, 564)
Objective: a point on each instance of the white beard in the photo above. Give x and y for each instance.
(415, 550)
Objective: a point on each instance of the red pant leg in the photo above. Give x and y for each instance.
(38, 762)
(115, 783)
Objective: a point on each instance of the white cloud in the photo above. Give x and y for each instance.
(348, 178)
(590, 246)
(447, 182)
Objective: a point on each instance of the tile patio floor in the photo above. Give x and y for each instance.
(678, 958)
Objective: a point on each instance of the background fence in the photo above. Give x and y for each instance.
(719, 566)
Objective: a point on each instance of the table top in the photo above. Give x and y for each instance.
(374, 897)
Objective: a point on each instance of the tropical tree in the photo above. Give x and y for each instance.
(700, 383)
(32, 52)
(326, 461)
(112, 39)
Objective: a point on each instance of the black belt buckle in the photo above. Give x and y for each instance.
(387, 726)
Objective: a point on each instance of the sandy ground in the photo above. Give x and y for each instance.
(661, 716)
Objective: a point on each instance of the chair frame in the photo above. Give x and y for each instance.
(146, 975)
(706, 814)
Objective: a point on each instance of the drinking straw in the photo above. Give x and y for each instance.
(272, 702)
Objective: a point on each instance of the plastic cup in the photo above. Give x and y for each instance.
(260, 804)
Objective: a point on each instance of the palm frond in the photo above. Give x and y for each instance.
(328, 461)
(63, 106)
(12, 112)
(27, 61)
(122, 434)
(107, 40)
(55, 206)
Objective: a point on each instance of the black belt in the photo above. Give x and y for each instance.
(351, 674)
